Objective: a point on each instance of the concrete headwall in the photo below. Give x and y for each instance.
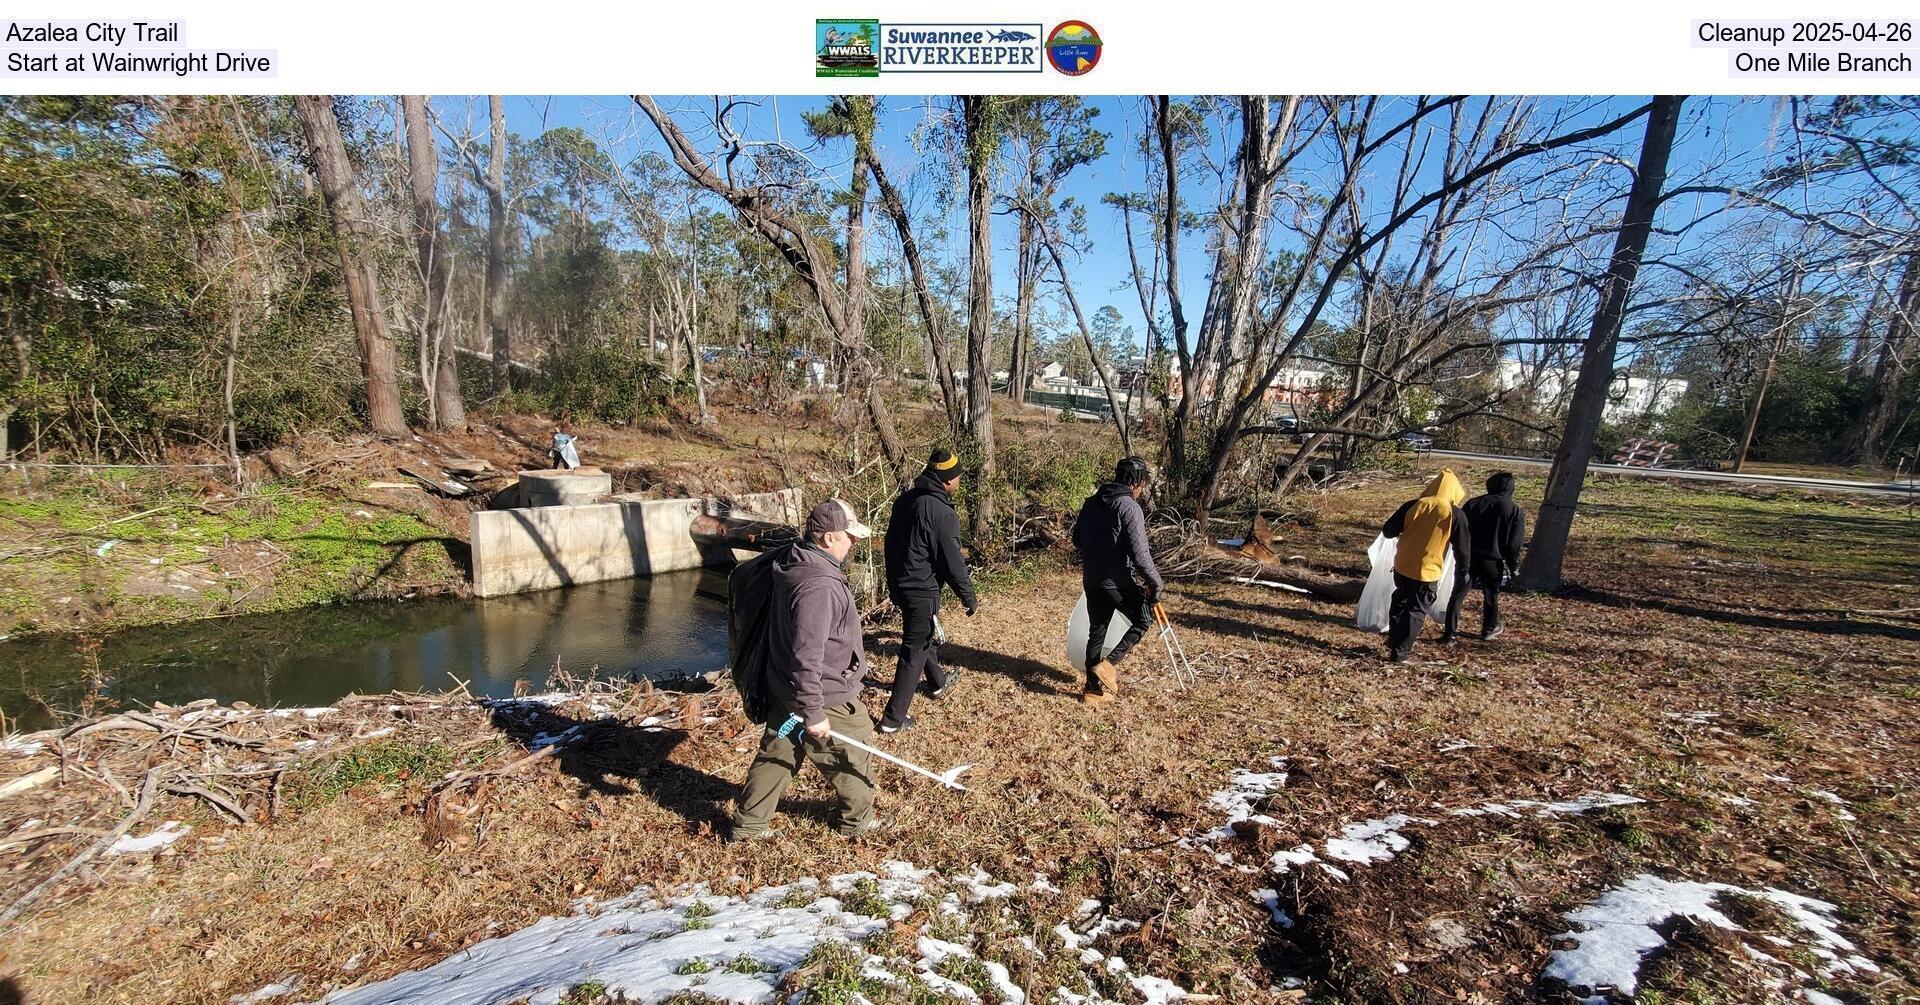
(516, 550)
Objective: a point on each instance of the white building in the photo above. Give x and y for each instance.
(1628, 398)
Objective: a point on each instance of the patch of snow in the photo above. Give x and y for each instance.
(1828, 797)
(1157, 990)
(1616, 931)
(977, 886)
(1513, 808)
(636, 945)
(162, 836)
(105, 547)
(1816, 997)
(1244, 788)
(382, 731)
(1372, 840)
(1455, 746)
(275, 990)
(1271, 898)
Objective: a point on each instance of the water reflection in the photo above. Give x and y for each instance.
(659, 626)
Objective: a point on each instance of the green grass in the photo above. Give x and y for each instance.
(324, 552)
(384, 762)
(583, 994)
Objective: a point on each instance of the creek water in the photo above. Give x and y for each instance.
(661, 626)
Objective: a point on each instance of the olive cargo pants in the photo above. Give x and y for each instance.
(846, 768)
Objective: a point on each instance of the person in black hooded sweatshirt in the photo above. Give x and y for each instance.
(1498, 530)
(923, 552)
(1111, 534)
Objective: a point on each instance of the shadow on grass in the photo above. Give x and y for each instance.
(1033, 675)
(1773, 621)
(616, 758)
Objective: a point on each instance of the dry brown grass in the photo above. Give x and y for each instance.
(1691, 602)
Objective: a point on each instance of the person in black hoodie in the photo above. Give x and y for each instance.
(1498, 532)
(923, 552)
(1111, 534)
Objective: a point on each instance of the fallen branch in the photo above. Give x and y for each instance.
(73, 865)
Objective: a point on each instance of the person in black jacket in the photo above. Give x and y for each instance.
(923, 552)
(1499, 531)
(1111, 534)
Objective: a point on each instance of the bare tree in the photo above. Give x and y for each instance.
(1881, 396)
(794, 239)
(494, 183)
(1042, 234)
(350, 226)
(1547, 552)
(423, 184)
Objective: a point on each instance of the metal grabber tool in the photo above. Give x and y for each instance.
(1176, 653)
(949, 778)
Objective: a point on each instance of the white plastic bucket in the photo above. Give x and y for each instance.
(1080, 625)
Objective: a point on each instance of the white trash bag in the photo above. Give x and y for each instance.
(1377, 597)
(1080, 625)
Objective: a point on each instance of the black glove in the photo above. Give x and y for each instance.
(972, 608)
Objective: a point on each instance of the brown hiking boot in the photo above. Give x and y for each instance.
(1109, 679)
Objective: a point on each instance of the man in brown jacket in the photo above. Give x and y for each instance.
(817, 661)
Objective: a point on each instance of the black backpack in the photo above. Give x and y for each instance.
(749, 618)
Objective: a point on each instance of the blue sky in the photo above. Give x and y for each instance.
(1715, 132)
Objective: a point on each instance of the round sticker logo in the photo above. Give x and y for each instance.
(1073, 47)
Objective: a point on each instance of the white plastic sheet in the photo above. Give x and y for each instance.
(1080, 625)
(1377, 597)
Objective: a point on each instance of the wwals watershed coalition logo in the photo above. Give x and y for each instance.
(846, 48)
(852, 47)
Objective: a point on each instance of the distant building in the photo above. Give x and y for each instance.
(1299, 386)
(1628, 398)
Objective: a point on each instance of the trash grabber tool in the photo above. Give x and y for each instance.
(949, 778)
(939, 632)
(1176, 653)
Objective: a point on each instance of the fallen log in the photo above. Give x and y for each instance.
(1256, 559)
(1338, 589)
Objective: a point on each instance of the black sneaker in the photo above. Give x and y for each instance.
(1493, 633)
(895, 727)
(1449, 639)
(763, 834)
(1399, 657)
(953, 677)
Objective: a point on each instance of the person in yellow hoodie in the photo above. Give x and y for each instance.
(1426, 527)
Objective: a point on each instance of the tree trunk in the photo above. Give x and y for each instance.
(977, 111)
(351, 229)
(1766, 375)
(943, 369)
(1548, 550)
(423, 182)
(1868, 431)
(856, 261)
(501, 340)
(1027, 275)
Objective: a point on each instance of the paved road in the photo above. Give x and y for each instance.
(1898, 489)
